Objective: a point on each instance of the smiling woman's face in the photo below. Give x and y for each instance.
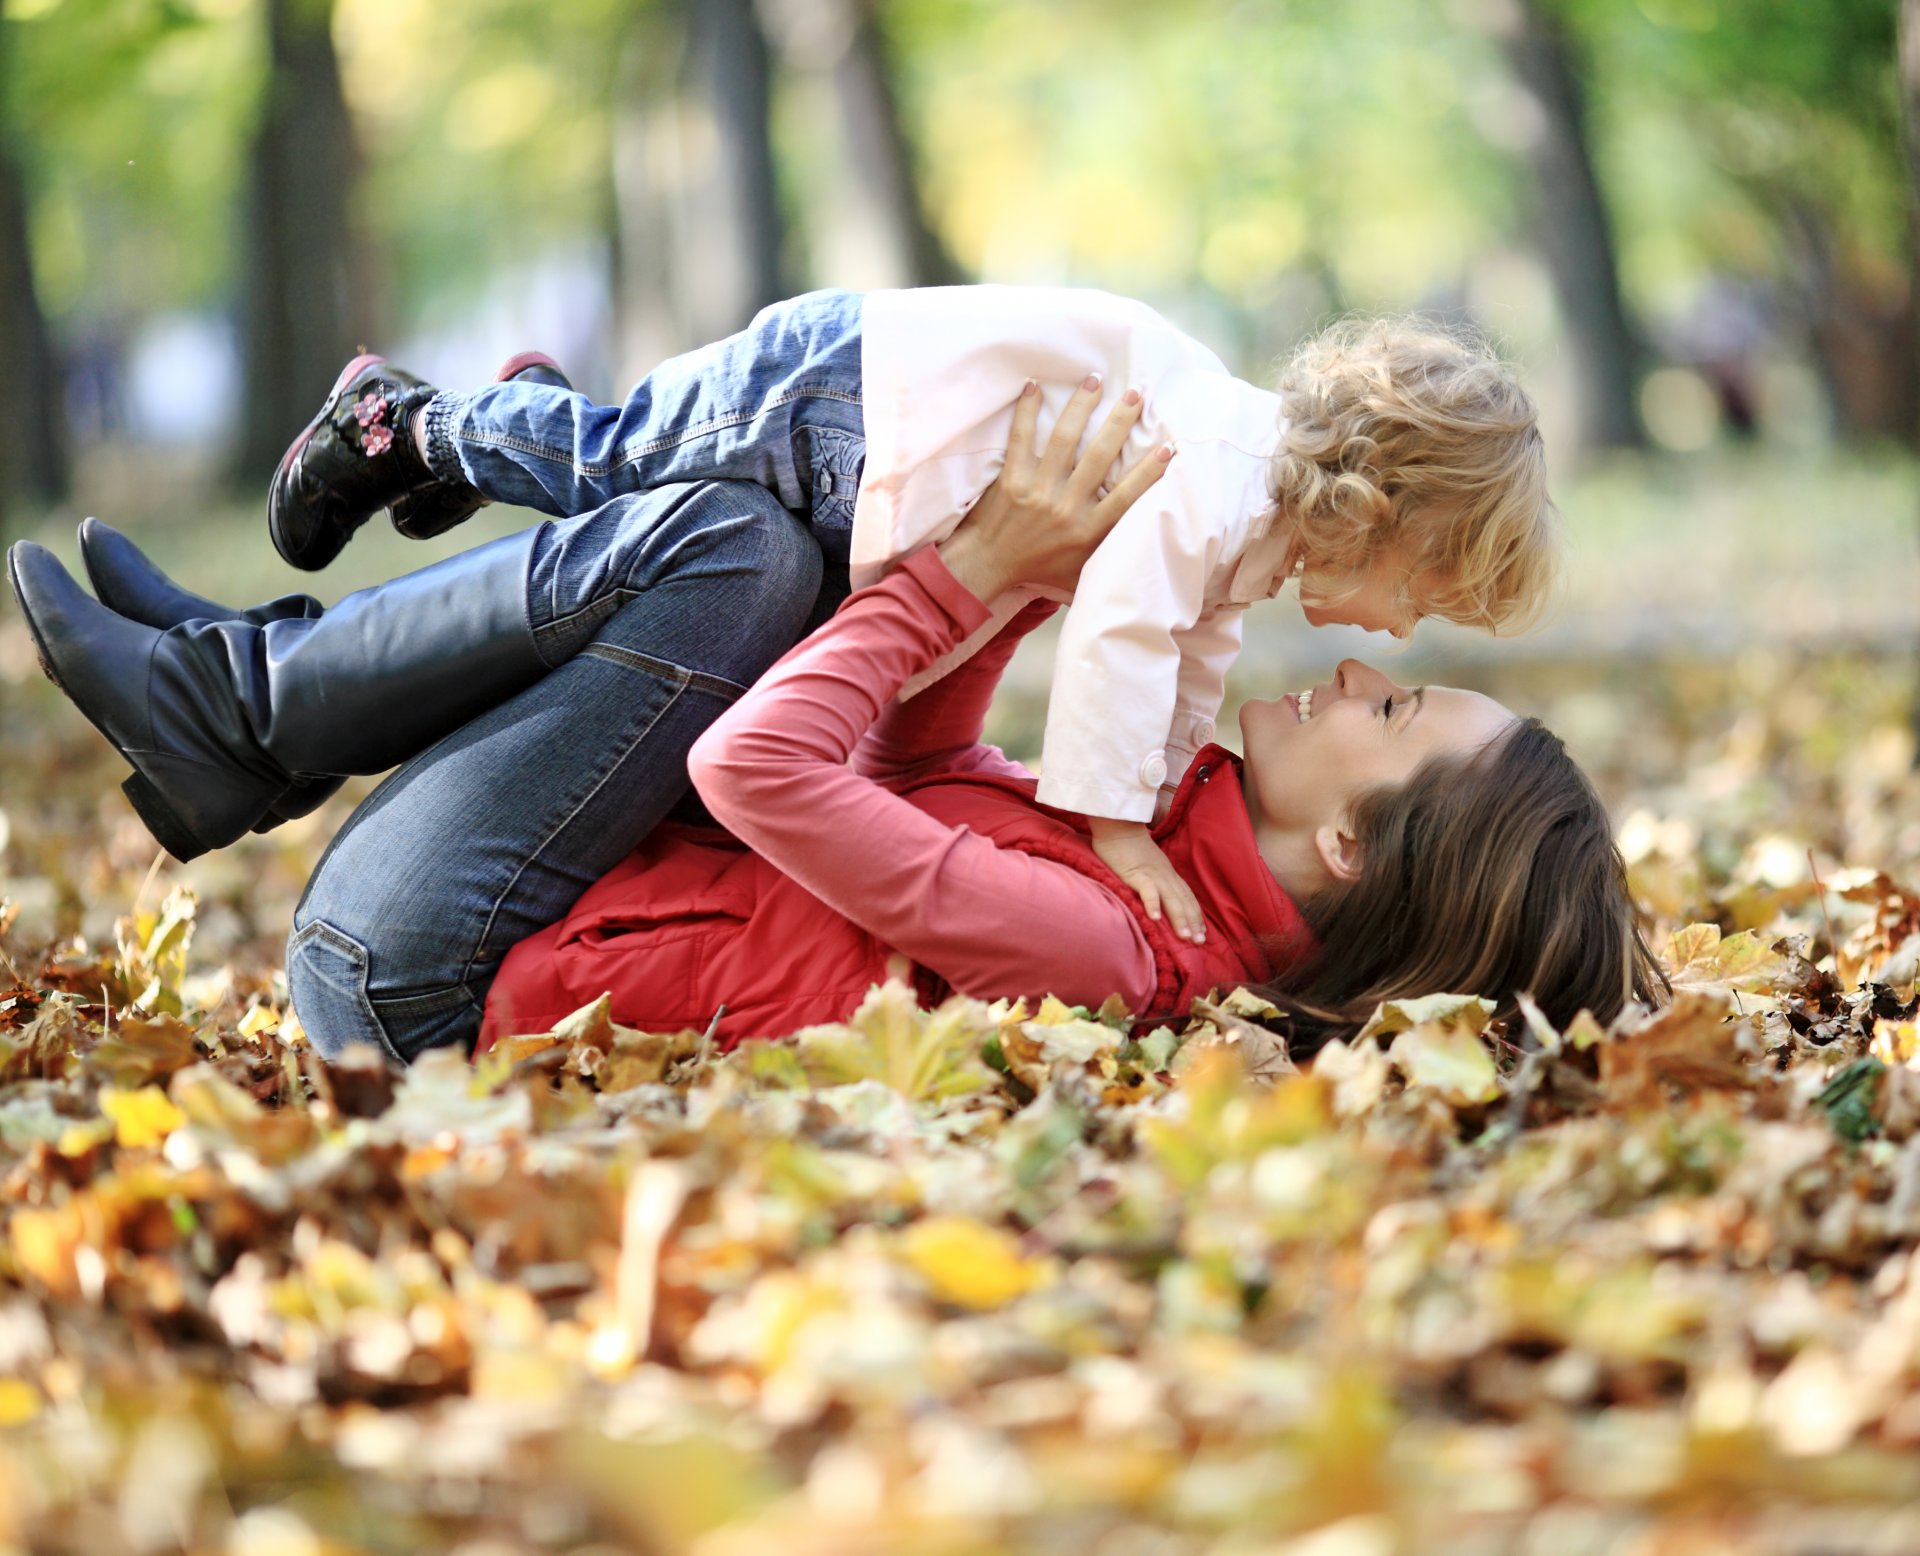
(1309, 755)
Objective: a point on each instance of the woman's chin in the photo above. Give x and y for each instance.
(1260, 722)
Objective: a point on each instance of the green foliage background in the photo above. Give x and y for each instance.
(1274, 161)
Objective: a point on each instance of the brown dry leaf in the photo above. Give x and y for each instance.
(1696, 1042)
(142, 1049)
(225, 1115)
(1262, 1053)
(856, 1291)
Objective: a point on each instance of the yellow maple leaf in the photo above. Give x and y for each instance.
(141, 1118)
(19, 1401)
(969, 1263)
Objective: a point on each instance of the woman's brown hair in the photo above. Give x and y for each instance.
(1494, 874)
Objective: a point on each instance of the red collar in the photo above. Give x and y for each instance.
(1208, 836)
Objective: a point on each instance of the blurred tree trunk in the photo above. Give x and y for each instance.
(879, 156)
(301, 315)
(734, 232)
(646, 320)
(1908, 50)
(1860, 330)
(1575, 234)
(33, 454)
(700, 235)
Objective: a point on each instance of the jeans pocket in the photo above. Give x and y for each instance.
(836, 461)
(327, 977)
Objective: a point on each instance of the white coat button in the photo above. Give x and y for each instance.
(1202, 732)
(1153, 771)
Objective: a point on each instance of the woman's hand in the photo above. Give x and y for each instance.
(1042, 519)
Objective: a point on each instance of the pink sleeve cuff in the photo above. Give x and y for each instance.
(929, 569)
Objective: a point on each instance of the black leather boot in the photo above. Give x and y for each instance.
(217, 718)
(433, 510)
(125, 580)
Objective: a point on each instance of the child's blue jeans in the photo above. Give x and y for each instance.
(778, 404)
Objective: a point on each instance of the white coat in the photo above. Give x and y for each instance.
(1155, 621)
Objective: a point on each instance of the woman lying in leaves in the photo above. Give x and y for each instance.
(549, 695)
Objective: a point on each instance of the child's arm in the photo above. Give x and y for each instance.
(1124, 700)
(1206, 654)
(1127, 848)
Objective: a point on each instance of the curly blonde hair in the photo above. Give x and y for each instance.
(1401, 435)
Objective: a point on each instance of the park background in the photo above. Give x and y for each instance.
(1690, 223)
(1687, 221)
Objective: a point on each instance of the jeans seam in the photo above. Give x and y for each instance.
(430, 1002)
(620, 598)
(721, 423)
(718, 424)
(633, 659)
(526, 593)
(506, 891)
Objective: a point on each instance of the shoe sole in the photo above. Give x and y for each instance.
(156, 815)
(518, 364)
(287, 461)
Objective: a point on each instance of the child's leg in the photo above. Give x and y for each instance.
(777, 404)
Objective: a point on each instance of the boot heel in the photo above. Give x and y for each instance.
(160, 818)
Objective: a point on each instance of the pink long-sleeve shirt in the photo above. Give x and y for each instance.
(803, 771)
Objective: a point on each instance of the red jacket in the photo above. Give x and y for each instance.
(928, 855)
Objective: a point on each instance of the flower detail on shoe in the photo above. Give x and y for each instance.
(376, 436)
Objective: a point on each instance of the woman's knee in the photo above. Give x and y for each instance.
(784, 562)
(748, 556)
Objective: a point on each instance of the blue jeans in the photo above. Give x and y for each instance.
(656, 610)
(778, 404)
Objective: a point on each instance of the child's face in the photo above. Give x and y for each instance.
(1384, 602)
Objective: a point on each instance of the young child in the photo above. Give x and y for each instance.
(1397, 473)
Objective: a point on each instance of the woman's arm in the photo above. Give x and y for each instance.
(773, 768)
(991, 921)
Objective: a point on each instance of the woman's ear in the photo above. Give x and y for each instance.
(1339, 851)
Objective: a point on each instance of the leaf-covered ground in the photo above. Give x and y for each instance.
(989, 1280)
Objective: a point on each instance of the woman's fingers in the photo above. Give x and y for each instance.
(1069, 429)
(1026, 420)
(1137, 477)
(1103, 448)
